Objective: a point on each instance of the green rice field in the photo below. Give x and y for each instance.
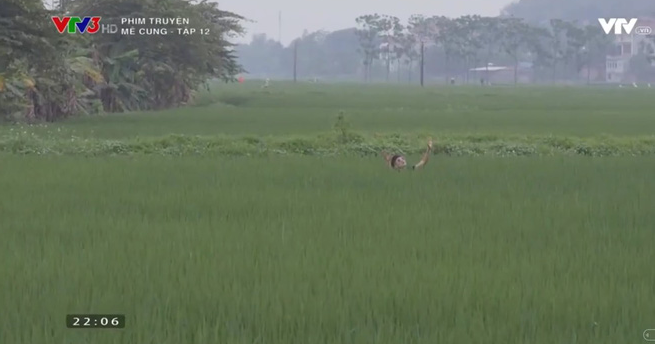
(257, 216)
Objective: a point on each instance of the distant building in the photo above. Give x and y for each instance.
(502, 74)
(626, 46)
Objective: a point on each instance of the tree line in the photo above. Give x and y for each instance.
(474, 41)
(382, 47)
(45, 75)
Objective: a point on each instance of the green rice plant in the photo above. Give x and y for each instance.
(308, 110)
(257, 217)
(301, 249)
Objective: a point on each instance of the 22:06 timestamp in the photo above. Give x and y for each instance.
(95, 320)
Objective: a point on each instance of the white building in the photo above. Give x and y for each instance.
(617, 65)
(502, 74)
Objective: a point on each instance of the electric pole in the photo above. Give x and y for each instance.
(422, 64)
(295, 60)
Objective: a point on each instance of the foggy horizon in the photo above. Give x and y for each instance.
(298, 16)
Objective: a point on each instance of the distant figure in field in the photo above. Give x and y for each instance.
(266, 83)
(398, 162)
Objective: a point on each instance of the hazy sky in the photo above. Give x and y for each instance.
(298, 15)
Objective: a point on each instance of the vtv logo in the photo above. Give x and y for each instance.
(621, 24)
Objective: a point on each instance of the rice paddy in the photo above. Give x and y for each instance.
(264, 243)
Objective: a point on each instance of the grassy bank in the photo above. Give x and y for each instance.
(27, 141)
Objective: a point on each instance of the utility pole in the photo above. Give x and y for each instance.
(295, 60)
(422, 60)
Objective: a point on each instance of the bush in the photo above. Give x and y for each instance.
(342, 141)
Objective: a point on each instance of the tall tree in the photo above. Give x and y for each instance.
(263, 56)
(400, 50)
(390, 30)
(490, 39)
(37, 79)
(576, 41)
(515, 37)
(558, 46)
(341, 48)
(313, 59)
(367, 33)
(596, 46)
(539, 46)
(447, 36)
(410, 48)
(165, 69)
(423, 33)
(470, 40)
